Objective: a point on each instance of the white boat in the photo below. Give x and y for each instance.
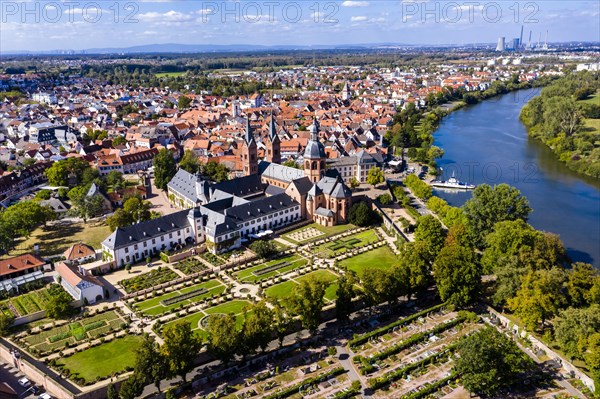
(452, 182)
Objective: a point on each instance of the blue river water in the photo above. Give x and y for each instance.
(486, 143)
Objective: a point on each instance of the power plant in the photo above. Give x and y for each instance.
(517, 43)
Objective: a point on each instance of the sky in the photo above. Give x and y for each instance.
(80, 24)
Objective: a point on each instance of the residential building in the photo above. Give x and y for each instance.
(79, 285)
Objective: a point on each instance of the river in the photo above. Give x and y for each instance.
(486, 143)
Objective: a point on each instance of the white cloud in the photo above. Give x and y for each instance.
(167, 17)
(354, 3)
(358, 18)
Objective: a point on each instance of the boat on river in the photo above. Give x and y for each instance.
(453, 182)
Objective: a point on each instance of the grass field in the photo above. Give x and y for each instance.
(379, 258)
(169, 74)
(592, 125)
(341, 245)
(329, 231)
(593, 99)
(57, 238)
(103, 360)
(153, 306)
(236, 307)
(284, 290)
(253, 275)
(90, 327)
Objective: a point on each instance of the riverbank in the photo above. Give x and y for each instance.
(486, 143)
(565, 117)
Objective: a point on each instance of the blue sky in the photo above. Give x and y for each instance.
(80, 24)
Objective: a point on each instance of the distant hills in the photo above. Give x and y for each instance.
(213, 48)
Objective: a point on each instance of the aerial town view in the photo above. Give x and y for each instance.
(288, 199)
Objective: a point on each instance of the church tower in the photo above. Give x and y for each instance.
(346, 92)
(273, 150)
(249, 152)
(314, 155)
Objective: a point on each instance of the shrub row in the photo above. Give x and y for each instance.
(309, 381)
(431, 388)
(364, 338)
(183, 297)
(414, 339)
(380, 382)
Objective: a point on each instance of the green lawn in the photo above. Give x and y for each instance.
(285, 289)
(89, 327)
(592, 125)
(55, 239)
(341, 245)
(593, 99)
(379, 258)
(153, 306)
(288, 263)
(104, 360)
(329, 231)
(169, 74)
(25, 304)
(236, 307)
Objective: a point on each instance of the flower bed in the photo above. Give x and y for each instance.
(190, 266)
(148, 280)
(183, 297)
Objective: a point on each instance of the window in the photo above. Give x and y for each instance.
(126, 250)
(145, 244)
(135, 247)
(170, 235)
(154, 241)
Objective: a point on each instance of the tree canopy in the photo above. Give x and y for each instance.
(164, 168)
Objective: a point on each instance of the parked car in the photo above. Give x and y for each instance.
(45, 396)
(24, 382)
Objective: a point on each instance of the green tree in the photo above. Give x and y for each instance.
(263, 248)
(490, 205)
(138, 209)
(384, 199)
(164, 168)
(189, 162)
(88, 207)
(573, 327)
(345, 292)
(43, 195)
(489, 361)
(415, 258)
(215, 171)
(457, 275)
(354, 183)
(431, 232)
(379, 286)
(111, 392)
(375, 177)
(291, 163)
(150, 364)
(183, 102)
(580, 281)
(180, 348)
(561, 115)
(508, 238)
(119, 140)
(58, 174)
(223, 337)
(132, 387)
(119, 218)
(509, 273)
(540, 297)
(256, 332)
(360, 214)
(6, 321)
(308, 300)
(114, 180)
(59, 305)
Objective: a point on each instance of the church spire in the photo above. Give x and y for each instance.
(272, 128)
(249, 136)
(314, 130)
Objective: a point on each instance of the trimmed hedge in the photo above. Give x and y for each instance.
(309, 381)
(364, 338)
(413, 339)
(431, 388)
(183, 297)
(380, 382)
